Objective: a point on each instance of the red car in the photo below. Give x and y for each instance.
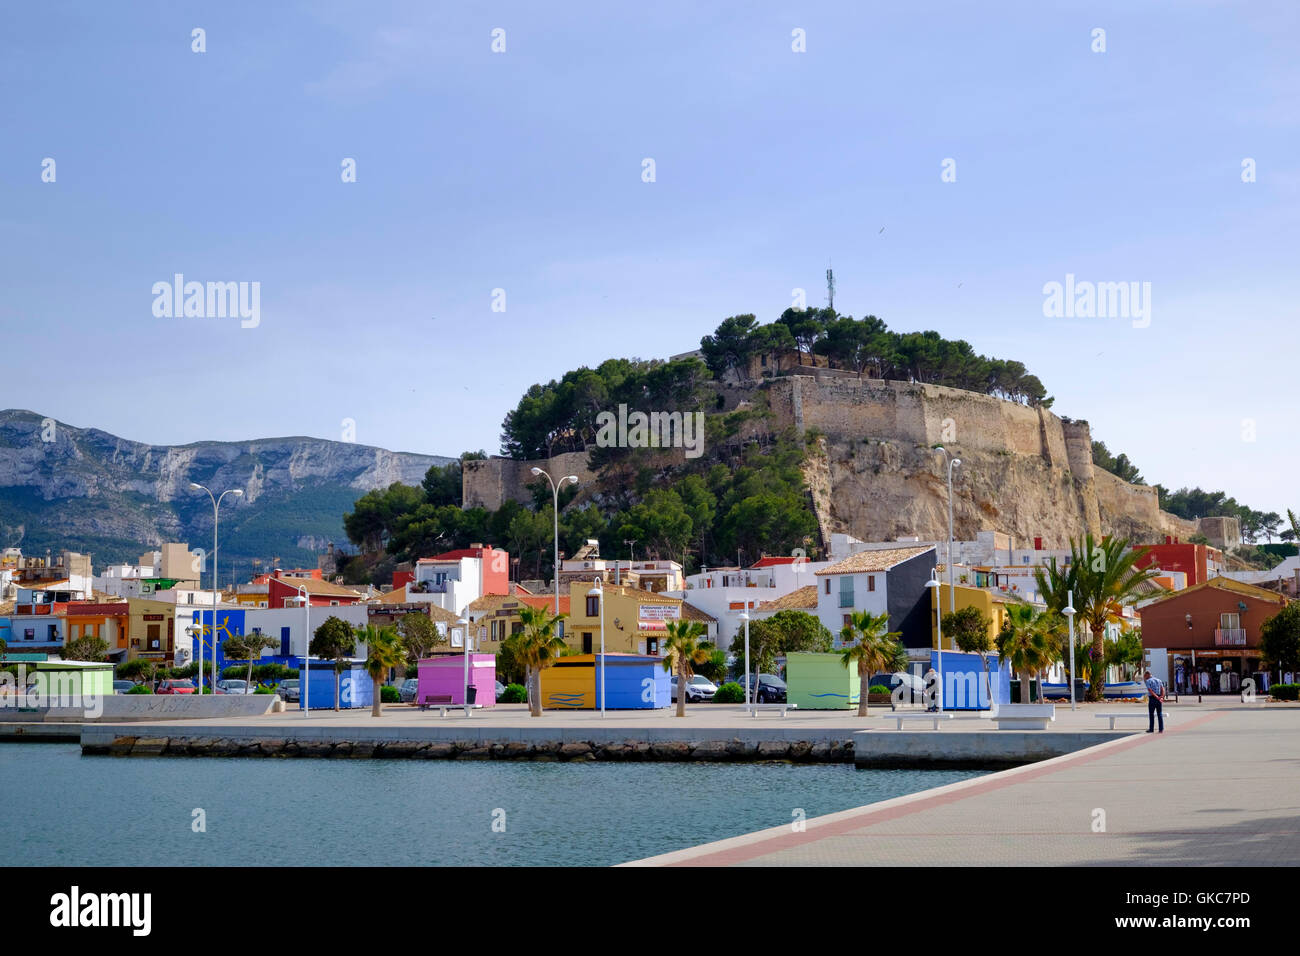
(176, 687)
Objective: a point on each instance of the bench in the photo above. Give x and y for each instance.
(782, 706)
(441, 701)
(1023, 716)
(1115, 715)
(933, 716)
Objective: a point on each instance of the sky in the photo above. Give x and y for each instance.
(522, 171)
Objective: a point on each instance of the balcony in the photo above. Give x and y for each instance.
(1230, 636)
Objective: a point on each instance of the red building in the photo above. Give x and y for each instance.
(1199, 562)
(283, 591)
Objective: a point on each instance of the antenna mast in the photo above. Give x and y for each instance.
(830, 288)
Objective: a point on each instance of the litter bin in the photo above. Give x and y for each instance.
(471, 695)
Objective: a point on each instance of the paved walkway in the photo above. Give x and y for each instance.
(1220, 787)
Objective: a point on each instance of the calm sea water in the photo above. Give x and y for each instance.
(60, 808)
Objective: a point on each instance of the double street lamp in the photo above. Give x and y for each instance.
(744, 616)
(216, 591)
(555, 495)
(933, 584)
(952, 463)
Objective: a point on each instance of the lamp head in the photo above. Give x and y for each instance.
(1068, 610)
(536, 471)
(956, 462)
(237, 492)
(195, 486)
(571, 479)
(744, 616)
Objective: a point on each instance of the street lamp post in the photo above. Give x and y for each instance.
(744, 616)
(933, 583)
(1069, 613)
(598, 591)
(555, 495)
(305, 687)
(952, 463)
(464, 623)
(216, 590)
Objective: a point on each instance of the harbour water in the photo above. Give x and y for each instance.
(64, 809)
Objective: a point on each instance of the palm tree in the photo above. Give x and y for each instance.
(1104, 576)
(683, 649)
(1027, 641)
(874, 647)
(536, 647)
(384, 651)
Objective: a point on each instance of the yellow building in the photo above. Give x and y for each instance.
(635, 621)
(993, 605)
(151, 629)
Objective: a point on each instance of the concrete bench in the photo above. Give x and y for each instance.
(1115, 715)
(933, 716)
(776, 706)
(441, 701)
(1024, 716)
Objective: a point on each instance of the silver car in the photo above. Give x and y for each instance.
(408, 690)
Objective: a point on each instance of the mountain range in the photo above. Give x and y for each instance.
(83, 489)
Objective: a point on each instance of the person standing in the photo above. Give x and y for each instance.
(1155, 702)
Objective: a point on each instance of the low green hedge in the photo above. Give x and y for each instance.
(515, 694)
(1285, 691)
(140, 689)
(730, 693)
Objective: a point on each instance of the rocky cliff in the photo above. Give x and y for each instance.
(876, 474)
(86, 490)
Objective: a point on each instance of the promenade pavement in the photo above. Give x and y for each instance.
(1220, 787)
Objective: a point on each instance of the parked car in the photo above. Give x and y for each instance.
(289, 690)
(176, 687)
(501, 690)
(697, 688)
(233, 687)
(122, 686)
(766, 688)
(408, 690)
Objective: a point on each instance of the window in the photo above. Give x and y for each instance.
(593, 607)
(828, 585)
(154, 634)
(76, 630)
(871, 582)
(54, 632)
(846, 591)
(284, 642)
(652, 646)
(29, 634)
(516, 628)
(848, 620)
(1229, 621)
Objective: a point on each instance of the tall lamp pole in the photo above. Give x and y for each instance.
(952, 463)
(464, 623)
(305, 688)
(598, 591)
(744, 616)
(555, 495)
(1069, 613)
(216, 589)
(933, 583)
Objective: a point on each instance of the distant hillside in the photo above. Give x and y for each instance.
(89, 491)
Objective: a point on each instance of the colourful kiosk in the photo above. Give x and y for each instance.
(633, 682)
(355, 687)
(820, 681)
(442, 677)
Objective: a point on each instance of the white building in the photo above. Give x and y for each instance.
(724, 593)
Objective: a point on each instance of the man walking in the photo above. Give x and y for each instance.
(1155, 701)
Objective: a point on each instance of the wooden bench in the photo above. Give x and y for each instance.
(933, 716)
(779, 705)
(1115, 715)
(441, 701)
(1023, 716)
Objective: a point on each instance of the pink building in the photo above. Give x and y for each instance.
(445, 677)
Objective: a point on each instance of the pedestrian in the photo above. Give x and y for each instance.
(1155, 700)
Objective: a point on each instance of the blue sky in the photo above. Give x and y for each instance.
(522, 171)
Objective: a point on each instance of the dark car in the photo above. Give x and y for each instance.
(766, 688)
(122, 686)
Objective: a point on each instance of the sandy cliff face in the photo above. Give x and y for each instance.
(877, 476)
